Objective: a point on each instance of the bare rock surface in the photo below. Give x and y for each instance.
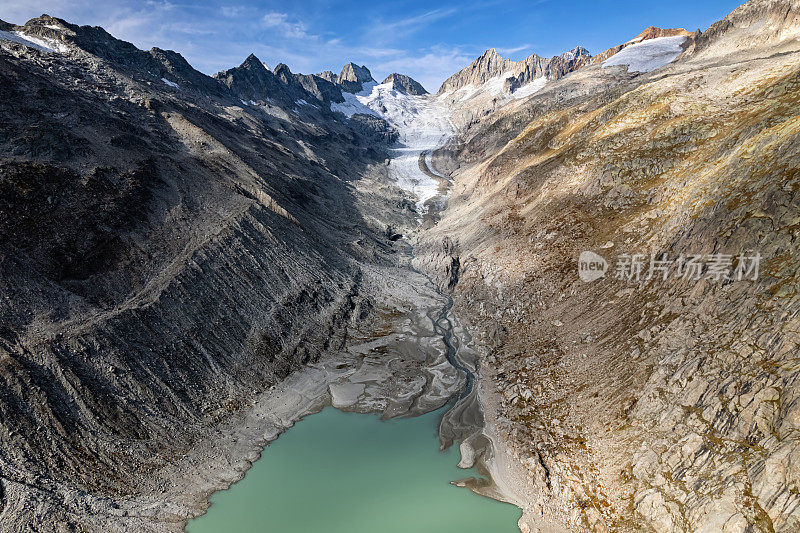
(660, 404)
(405, 84)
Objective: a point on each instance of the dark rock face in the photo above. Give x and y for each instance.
(96, 42)
(320, 88)
(253, 81)
(354, 77)
(165, 254)
(405, 84)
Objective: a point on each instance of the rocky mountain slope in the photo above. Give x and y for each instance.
(190, 263)
(646, 404)
(171, 245)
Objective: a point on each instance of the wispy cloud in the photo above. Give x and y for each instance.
(514, 49)
(282, 22)
(232, 11)
(389, 30)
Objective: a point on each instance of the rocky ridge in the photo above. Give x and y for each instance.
(491, 64)
(649, 33)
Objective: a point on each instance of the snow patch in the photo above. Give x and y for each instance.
(44, 45)
(648, 55)
(170, 83)
(494, 86)
(303, 102)
(531, 88)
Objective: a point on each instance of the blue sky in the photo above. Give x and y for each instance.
(426, 40)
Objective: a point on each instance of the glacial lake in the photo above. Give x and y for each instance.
(336, 472)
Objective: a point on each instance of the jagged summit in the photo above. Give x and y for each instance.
(327, 75)
(491, 64)
(353, 77)
(406, 84)
(252, 81)
(283, 72)
(252, 62)
(578, 51)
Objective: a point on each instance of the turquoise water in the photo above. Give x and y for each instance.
(337, 472)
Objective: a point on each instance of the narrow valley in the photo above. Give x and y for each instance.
(559, 294)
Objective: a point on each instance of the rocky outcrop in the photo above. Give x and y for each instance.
(488, 65)
(320, 88)
(491, 65)
(651, 32)
(575, 53)
(405, 84)
(328, 75)
(293, 85)
(353, 77)
(252, 81)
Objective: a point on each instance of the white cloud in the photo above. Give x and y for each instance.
(232, 11)
(384, 31)
(289, 28)
(513, 49)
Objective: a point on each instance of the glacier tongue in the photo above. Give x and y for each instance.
(423, 124)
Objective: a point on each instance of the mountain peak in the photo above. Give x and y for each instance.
(488, 65)
(252, 61)
(578, 51)
(353, 77)
(405, 84)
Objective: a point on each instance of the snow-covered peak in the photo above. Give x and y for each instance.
(575, 53)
